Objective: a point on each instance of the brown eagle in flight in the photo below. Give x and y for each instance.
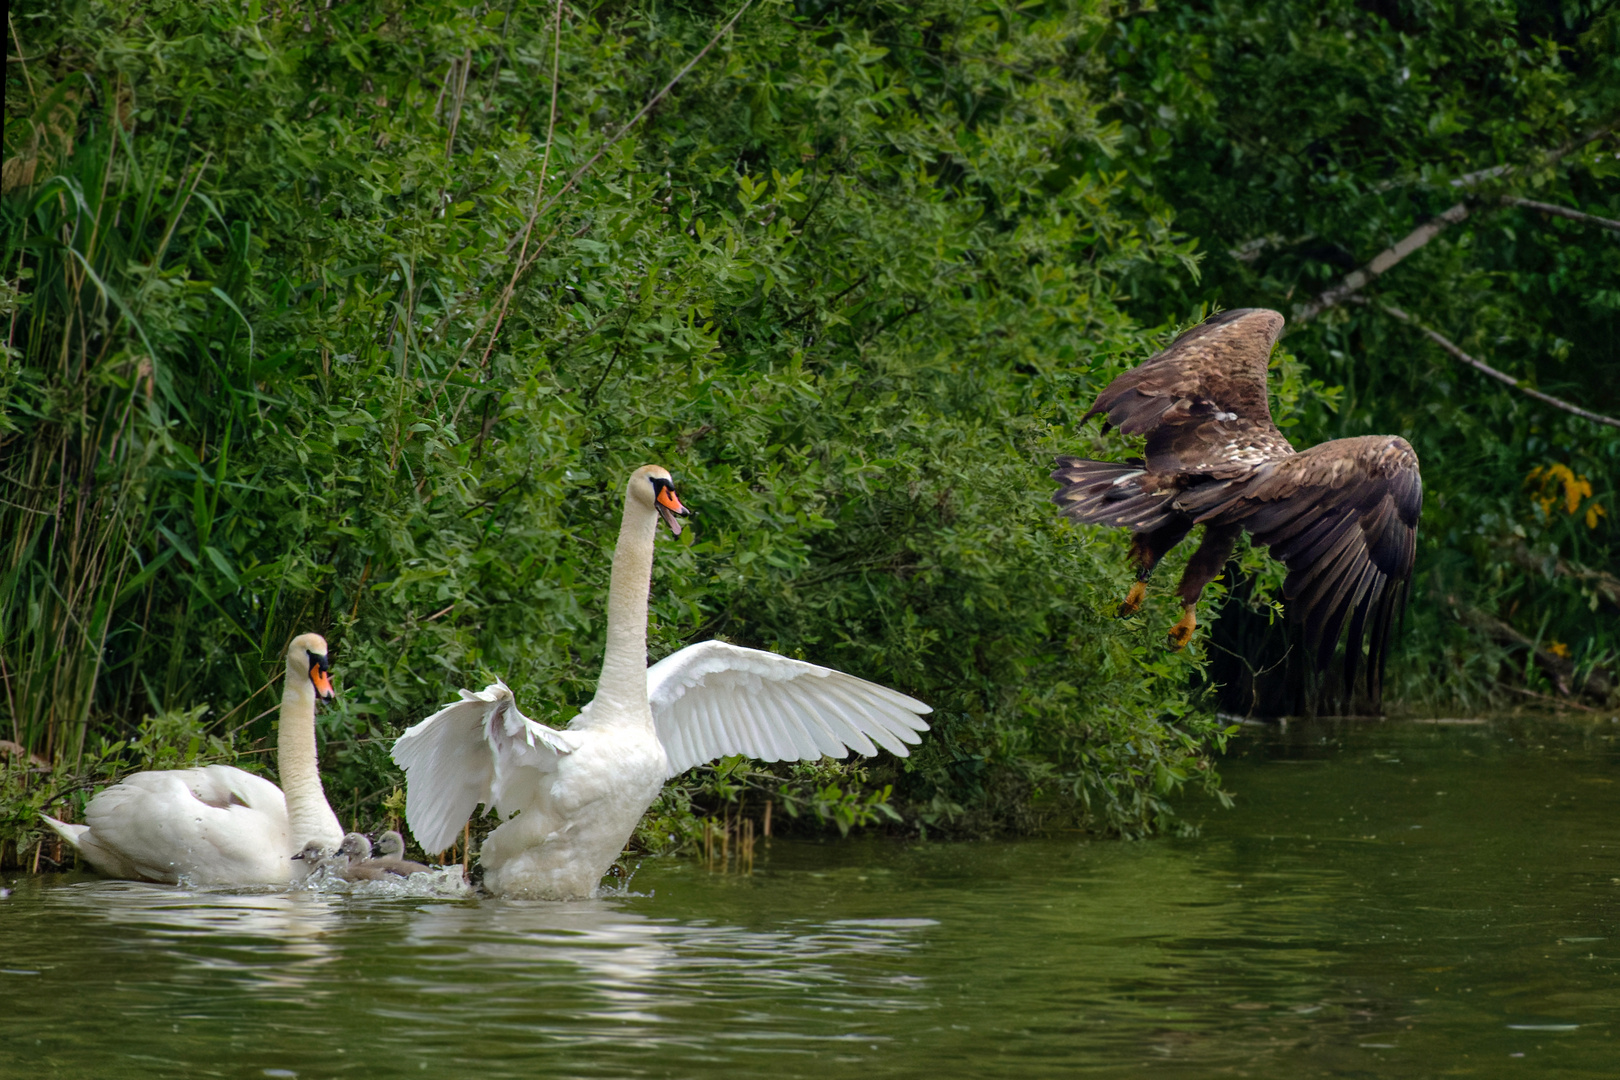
(1342, 516)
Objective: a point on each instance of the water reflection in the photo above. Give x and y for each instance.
(276, 941)
(600, 972)
(1393, 902)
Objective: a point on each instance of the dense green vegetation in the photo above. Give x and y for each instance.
(336, 318)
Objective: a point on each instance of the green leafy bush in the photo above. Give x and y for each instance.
(294, 350)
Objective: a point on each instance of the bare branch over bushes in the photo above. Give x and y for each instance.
(1562, 211)
(1357, 280)
(1560, 670)
(1605, 585)
(1500, 376)
(1419, 237)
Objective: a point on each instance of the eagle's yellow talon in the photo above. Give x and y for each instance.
(1182, 632)
(1132, 601)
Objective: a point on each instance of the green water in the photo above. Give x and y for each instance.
(1386, 900)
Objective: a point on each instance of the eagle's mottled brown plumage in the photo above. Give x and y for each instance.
(1342, 516)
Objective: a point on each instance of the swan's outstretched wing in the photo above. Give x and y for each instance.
(470, 752)
(713, 699)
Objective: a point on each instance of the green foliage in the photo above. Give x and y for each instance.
(1297, 141)
(853, 281)
(812, 795)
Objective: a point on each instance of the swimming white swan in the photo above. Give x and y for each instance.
(218, 825)
(578, 793)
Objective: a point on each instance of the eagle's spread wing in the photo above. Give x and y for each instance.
(1343, 517)
(1202, 403)
(1216, 369)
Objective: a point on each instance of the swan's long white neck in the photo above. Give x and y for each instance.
(622, 690)
(308, 815)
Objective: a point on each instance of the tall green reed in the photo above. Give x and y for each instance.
(105, 400)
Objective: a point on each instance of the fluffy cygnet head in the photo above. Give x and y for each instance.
(391, 845)
(312, 856)
(355, 847)
(306, 658)
(651, 485)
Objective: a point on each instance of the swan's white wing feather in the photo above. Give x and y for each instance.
(224, 786)
(525, 752)
(712, 699)
(792, 741)
(215, 825)
(844, 730)
(821, 737)
(874, 724)
(467, 753)
(449, 767)
(769, 731)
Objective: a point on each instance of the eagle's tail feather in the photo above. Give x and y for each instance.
(1110, 493)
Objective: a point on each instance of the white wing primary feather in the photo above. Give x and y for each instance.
(768, 727)
(792, 744)
(869, 721)
(796, 726)
(843, 726)
(713, 699)
(894, 718)
(821, 737)
(468, 753)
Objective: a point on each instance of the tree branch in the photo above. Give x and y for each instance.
(1480, 366)
(1561, 211)
(1420, 236)
(1560, 671)
(1357, 280)
(1250, 250)
(1604, 584)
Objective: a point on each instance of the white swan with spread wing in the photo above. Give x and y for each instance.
(578, 793)
(218, 825)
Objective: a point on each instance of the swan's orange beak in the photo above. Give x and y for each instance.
(320, 675)
(669, 506)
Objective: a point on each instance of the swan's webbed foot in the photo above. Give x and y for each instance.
(1182, 632)
(1132, 601)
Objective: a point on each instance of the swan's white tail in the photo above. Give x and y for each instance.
(70, 833)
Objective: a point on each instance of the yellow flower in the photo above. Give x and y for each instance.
(1574, 491)
(1559, 483)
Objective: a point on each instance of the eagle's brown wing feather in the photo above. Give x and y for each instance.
(1214, 449)
(1217, 367)
(1343, 517)
(1202, 403)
